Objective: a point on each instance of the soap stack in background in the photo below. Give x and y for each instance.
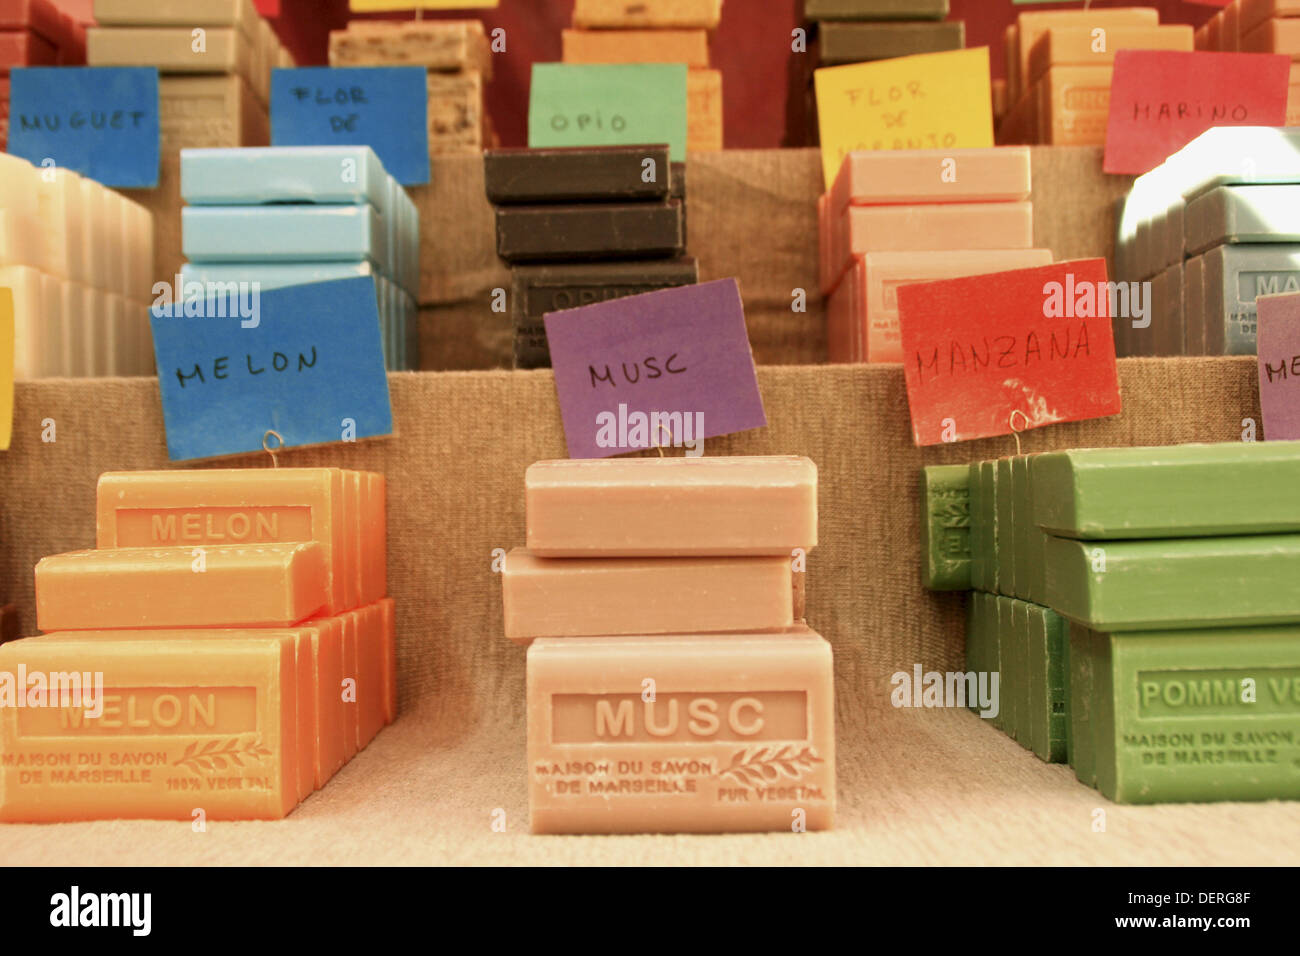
(214, 97)
(288, 215)
(582, 225)
(1258, 26)
(35, 33)
(1211, 228)
(900, 216)
(458, 60)
(240, 622)
(664, 621)
(1175, 677)
(79, 259)
(1059, 70)
(612, 31)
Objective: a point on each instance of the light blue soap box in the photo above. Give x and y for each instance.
(284, 234)
(346, 175)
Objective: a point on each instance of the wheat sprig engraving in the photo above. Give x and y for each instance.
(765, 765)
(215, 756)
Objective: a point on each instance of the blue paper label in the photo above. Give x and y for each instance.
(99, 121)
(383, 107)
(236, 362)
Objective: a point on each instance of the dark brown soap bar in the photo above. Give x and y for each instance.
(591, 231)
(844, 42)
(601, 173)
(875, 9)
(537, 290)
(677, 185)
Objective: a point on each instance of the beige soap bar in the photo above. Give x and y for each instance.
(662, 507)
(578, 597)
(210, 112)
(632, 14)
(442, 45)
(456, 116)
(177, 13)
(171, 49)
(681, 734)
(703, 111)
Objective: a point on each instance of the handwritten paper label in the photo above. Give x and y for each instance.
(665, 368)
(383, 107)
(99, 121)
(1161, 100)
(305, 361)
(1278, 344)
(608, 104)
(992, 354)
(930, 101)
(6, 367)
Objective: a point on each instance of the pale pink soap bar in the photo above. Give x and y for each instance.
(679, 734)
(914, 176)
(577, 597)
(664, 507)
(933, 228)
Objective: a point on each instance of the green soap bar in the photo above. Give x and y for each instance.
(875, 9)
(1037, 678)
(1010, 667)
(1066, 729)
(1022, 519)
(1202, 715)
(974, 639)
(1081, 753)
(998, 651)
(1193, 582)
(945, 527)
(1178, 491)
(978, 559)
(1005, 529)
(1057, 640)
(1103, 714)
(1035, 545)
(1024, 677)
(988, 505)
(992, 652)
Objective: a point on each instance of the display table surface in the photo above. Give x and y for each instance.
(915, 786)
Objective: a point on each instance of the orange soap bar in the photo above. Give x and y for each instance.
(330, 752)
(150, 509)
(186, 719)
(877, 276)
(1035, 23)
(679, 734)
(1274, 36)
(388, 615)
(1254, 12)
(667, 507)
(226, 585)
(934, 228)
(703, 111)
(660, 14)
(374, 537)
(371, 695)
(914, 176)
(351, 515)
(591, 597)
(1074, 105)
(352, 692)
(637, 46)
(1076, 46)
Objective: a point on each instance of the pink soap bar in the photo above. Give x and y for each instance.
(25, 48)
(937, 228)
(38, 15)
(877, 276)
(915, 176)
(591, 597)
(679, 734)
(664, 507)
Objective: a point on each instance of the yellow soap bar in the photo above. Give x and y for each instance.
(203, 586)
(175, 721)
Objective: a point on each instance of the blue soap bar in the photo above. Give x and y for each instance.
(284, 174)
(283, 234)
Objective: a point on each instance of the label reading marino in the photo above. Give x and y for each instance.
(310, 368)
(989, 355)
(98, 121)
(383, 107)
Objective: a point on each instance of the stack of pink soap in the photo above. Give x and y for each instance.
(672, 683)
(901, 216)
(35, 33)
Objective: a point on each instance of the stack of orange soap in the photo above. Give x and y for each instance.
(1259, 26)
(672, 682)
(899, 216)
(1059, 67)
(660, 31)
(457, 59)
(226, 648)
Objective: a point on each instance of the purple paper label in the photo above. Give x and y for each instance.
(1278, 345)
(667, 368)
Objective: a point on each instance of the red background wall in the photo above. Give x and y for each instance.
(751, 47)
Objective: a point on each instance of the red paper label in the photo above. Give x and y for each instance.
(1038, 342)
(1161, 100)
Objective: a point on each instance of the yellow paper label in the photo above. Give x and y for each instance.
(6, 367)
(383, 6)
(930, 101)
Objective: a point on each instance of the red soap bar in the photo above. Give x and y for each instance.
(25, 48)
(42, 16)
